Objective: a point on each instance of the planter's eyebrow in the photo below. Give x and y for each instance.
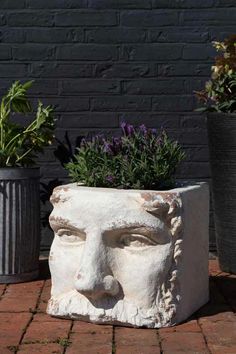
(59, 222)
(153, 232)
(133, 226)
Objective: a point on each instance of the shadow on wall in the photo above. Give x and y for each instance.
(64, 153)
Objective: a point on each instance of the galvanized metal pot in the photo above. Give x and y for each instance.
(222, 146)
(19, 224)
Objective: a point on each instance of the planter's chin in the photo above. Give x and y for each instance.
(129, 257)
(222, 147)
(19, 224)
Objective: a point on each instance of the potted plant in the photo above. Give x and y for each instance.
(130, 245)
(19, 184)
(219, 97)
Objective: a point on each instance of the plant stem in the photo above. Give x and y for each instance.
(25, 154)
(17, 136)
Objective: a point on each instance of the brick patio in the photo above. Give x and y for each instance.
(25, 328)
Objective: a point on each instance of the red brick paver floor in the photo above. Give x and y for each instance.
(26, 329)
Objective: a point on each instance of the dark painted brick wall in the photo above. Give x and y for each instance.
(103, 61)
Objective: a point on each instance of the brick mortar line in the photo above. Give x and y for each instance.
(91, 10)
(4, 291)
(204, 337)
(23, 333)
(68, 337)
(32, 317)
(104, 61)
(159, 341)
(113, 343)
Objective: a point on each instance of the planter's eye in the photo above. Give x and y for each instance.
(69, 236)
(136, 241)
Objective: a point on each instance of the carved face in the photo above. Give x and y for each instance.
(111, 255)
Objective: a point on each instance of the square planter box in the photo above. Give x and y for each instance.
(129, 257)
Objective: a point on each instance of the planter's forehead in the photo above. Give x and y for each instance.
(108, 208)
(74, 192)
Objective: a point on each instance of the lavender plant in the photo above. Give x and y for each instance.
(139, 159)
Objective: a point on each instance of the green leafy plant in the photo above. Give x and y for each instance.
(139, 159)
(19, 145)
(220, 92)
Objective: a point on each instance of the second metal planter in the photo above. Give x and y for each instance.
(222, 146)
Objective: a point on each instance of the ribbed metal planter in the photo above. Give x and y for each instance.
(19, 224)
(222, 145)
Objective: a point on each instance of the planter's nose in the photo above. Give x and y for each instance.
(94, 277)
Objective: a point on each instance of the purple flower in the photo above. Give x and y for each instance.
(110, 178)
(128, 129)
(83, 142)
(112, 147)
(116, 145)
(160, 138)
(107, 147)
(154, 131)
(97, 138)
(143, 129)
(116, 141)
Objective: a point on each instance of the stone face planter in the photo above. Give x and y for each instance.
(222, 146)
(19, 224)
(129, 257)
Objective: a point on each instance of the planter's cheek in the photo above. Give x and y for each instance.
(63, 262)
(142, 273)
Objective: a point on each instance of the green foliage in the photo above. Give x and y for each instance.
(64, 342)
(19, 145)
(139, 159)
(220, 92)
